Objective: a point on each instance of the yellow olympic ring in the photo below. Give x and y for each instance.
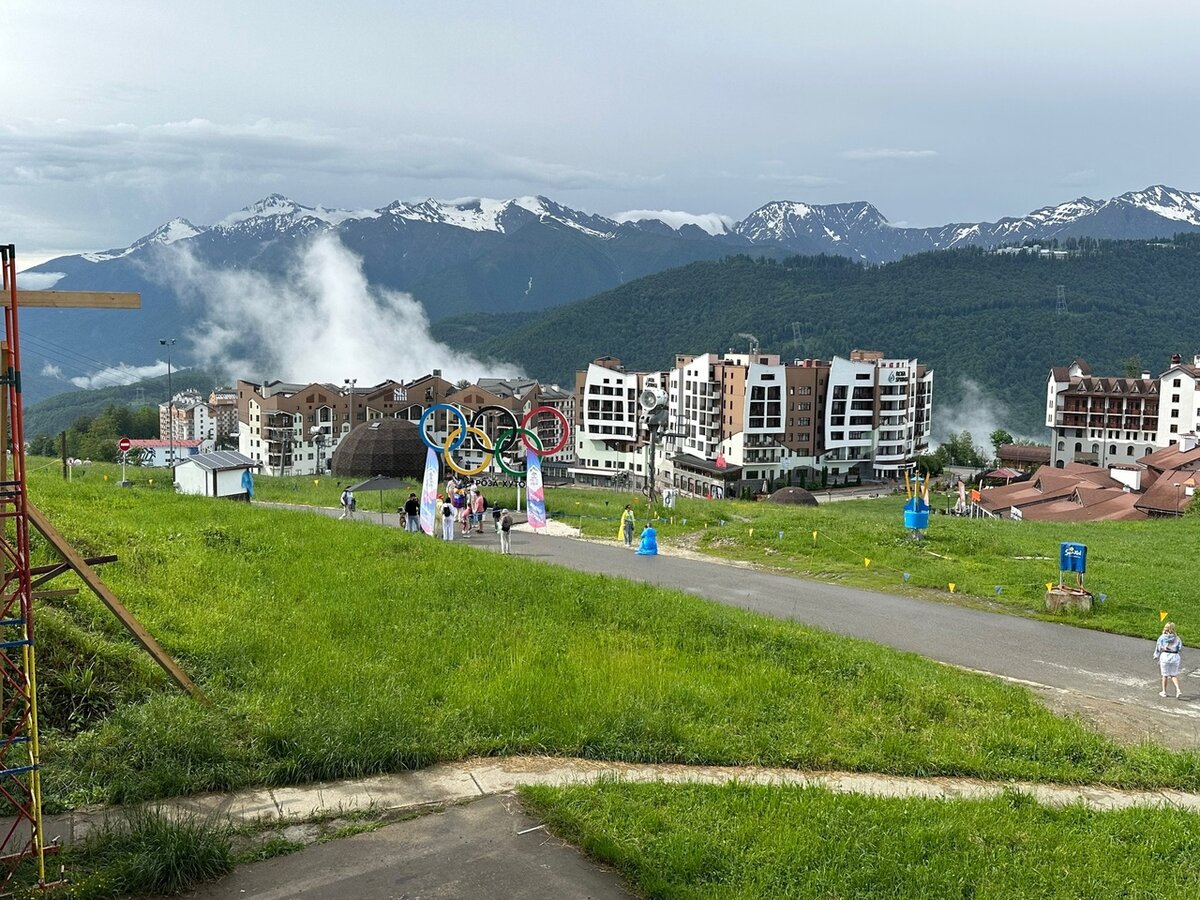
(485, 442)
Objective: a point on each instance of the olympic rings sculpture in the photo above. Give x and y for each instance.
(460, 433)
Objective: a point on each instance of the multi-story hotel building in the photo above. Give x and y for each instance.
(741, 419)
(294, 429)
(1107, 421)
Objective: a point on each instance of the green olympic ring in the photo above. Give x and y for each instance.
(524, 433)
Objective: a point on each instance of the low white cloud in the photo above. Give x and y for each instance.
(977, 412)
(39, 281)
(319, 321)
(871, 153)
(50, 370)
(122, 373)
(713, 223)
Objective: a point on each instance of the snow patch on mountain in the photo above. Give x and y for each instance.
(277, 206)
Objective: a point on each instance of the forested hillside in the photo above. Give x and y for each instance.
(973, 315)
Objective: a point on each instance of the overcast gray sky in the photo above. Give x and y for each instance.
(119, 116)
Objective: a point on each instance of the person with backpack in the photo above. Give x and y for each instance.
(348, 504)
(505, 529)
(447, 519)
(496, 519)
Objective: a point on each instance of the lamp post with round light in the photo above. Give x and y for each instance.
(350, 383)
(169, 343)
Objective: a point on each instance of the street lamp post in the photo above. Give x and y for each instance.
(169, 343)
(351, 382)
(318, 438)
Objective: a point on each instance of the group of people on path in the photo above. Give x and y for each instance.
(462, 506)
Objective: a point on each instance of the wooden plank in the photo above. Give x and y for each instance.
(55, 595)
(109, 599)
(75, 299)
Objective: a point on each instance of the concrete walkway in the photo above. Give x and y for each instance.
(472, 779)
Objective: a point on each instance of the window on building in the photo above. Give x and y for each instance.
(839, 392)
(1078, 447)
(1129, 452)
(1176, 383)
(1174, 430)
(1112, 449)
(1061, 446)
(1174, 398)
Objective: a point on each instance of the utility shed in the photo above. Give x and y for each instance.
(222, 473)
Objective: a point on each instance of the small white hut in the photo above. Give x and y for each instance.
(222, 473)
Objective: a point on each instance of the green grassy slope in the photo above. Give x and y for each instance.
(332, 648)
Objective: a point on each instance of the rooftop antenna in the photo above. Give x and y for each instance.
(1060, 304)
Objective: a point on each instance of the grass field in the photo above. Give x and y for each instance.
(742, 841)
(1141, 568)
(332, 649)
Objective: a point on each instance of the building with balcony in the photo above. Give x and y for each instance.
(737, 420)
(293, 429)
(1100, 421)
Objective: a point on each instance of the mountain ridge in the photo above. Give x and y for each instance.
(475, 256)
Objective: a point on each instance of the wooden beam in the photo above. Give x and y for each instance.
(109, 599)
(75, 299)
(55, 595)
(42, 574)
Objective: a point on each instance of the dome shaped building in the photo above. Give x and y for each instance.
(390, 447)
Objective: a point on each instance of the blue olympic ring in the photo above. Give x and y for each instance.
(462, 434)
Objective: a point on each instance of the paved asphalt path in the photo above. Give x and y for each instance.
(1108, 667)
(1113, 669)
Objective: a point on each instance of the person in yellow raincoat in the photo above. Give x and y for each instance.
(625, 532)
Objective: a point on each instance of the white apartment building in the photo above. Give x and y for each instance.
(608, 424)
(737, 420)
(878, 414)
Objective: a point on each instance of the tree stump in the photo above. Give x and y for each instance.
(1064, 598)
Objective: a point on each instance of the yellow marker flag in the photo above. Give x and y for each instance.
(952, 587)
(316, 482)
(751, 532)
(1049, 585)
(106, 478)
(866, 561)
(1162, 614)
(814, 537)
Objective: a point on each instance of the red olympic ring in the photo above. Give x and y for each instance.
(566, 430)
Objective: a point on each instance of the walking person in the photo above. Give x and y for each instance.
(348, 504)
(1166, 651)
(496, 518)
(479, 504)
(505, 537)
(627, 525)
(412, 513)
(447, 520)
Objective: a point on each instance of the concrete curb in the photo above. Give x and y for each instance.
(471, 779)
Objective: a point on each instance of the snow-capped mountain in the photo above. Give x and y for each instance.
(528, 253)
(860, 231)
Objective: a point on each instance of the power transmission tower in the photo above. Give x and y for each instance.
(1060, 304)
(796, 332)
